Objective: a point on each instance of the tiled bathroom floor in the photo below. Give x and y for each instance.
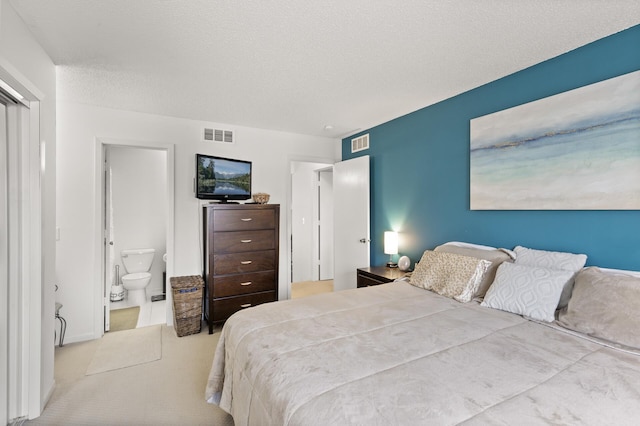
(151, 313)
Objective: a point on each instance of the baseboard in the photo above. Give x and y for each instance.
(48, 395)
(79, 338)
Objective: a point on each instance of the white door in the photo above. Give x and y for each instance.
(108, 277)
(350, 220)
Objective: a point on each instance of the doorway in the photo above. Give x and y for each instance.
(311, 253)
(24, 339)
(4, 269)
(136, 213)
(342, 226)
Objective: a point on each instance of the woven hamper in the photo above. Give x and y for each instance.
(187, 304)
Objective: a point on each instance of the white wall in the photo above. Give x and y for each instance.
(24, 62)
(139, 182)
(78, 128)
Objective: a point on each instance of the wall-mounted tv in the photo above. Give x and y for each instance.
(222, 179)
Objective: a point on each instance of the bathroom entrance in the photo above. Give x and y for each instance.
(136, 225)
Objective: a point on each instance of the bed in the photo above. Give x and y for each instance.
(407, 354)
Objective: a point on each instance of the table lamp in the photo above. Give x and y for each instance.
(391, 247)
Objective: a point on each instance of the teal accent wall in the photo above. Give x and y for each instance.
(420, 169)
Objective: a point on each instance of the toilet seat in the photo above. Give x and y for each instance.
(136, 276)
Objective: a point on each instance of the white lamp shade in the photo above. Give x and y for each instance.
(390, 242)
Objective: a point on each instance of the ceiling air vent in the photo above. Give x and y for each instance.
(218, 135)
(360, 143)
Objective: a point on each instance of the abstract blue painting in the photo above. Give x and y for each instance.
(577, 150)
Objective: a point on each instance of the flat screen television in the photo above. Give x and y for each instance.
(222, 179)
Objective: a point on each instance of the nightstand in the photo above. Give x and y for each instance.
(375, 275)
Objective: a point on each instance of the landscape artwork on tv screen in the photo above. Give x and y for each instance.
(222, 178)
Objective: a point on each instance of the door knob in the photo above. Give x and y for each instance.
(364, 240)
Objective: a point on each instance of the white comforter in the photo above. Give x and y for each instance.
(395, 354)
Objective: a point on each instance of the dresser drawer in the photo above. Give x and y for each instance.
(241, 241)
(240, 263)
(224, 308)
(232, 285)
(244, 219)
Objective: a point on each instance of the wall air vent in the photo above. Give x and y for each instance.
(360, 143)
(217, 135)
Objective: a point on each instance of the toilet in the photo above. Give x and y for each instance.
(137, 262)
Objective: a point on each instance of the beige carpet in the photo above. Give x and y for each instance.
(127, 348)
(309, 288)
(123, 319)
(169, 391)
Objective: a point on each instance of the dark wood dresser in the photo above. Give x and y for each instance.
(240, 257)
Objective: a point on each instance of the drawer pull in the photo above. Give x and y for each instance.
(246, 219)
(246, 305)
(245, 262)
(247, 283)
(245, 241)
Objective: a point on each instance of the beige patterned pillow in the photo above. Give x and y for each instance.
(449, 274)
(495, 256)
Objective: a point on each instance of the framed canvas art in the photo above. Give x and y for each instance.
(577, 150)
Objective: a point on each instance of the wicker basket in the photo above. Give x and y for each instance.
(261, 197)
(187, 304)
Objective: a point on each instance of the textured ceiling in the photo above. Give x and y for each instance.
(296, 65)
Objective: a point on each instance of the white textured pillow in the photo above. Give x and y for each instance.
(550, 259)
(556, 260)
(449, 274)
(527, 290)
